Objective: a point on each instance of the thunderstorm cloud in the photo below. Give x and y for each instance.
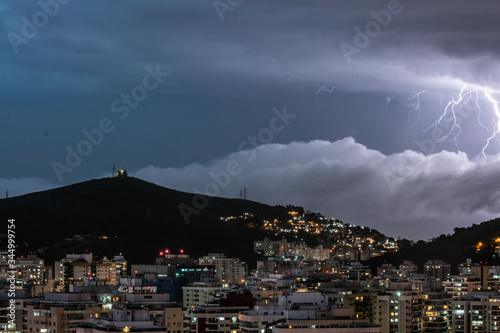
(346, 180)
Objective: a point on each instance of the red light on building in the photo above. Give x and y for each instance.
(166, 251)
(161, 253)
(182, 251)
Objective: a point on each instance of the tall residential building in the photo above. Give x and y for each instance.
(400, 309)
(436, 313)
(475, 271)
(33, 268)
(60, 312)
(363, 302)
(121, 266)
(227, 270)
(201, 293)
(105, 273)
(438, 269)
(355, 272)
(73, 269)
(457, 286)
(476, 312)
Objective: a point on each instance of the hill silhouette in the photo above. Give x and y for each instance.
(477, 242)
(127, 215)
(130, 216)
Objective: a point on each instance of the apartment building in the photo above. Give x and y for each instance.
(60, 312)
(400, 309)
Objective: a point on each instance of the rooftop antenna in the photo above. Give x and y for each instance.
(241, 194)
(113, 172)
(245, 193)
(6, 194)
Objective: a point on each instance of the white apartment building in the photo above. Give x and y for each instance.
(201, 293)
(400, 309)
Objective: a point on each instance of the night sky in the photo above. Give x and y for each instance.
(331, 105)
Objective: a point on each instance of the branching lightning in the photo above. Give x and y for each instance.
(413, 101)
(415, 96)
(457, 109)
(451, 111)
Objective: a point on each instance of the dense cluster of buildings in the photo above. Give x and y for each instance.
(283, 249)
(293, 289)
(349, 242)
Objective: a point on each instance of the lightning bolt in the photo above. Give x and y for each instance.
(451, 111)
(412, 101)
(496, 129)
(449, 118)
(415, 96)
(324, 89)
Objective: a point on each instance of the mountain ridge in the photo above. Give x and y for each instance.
(128, 215)
(132, 214)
